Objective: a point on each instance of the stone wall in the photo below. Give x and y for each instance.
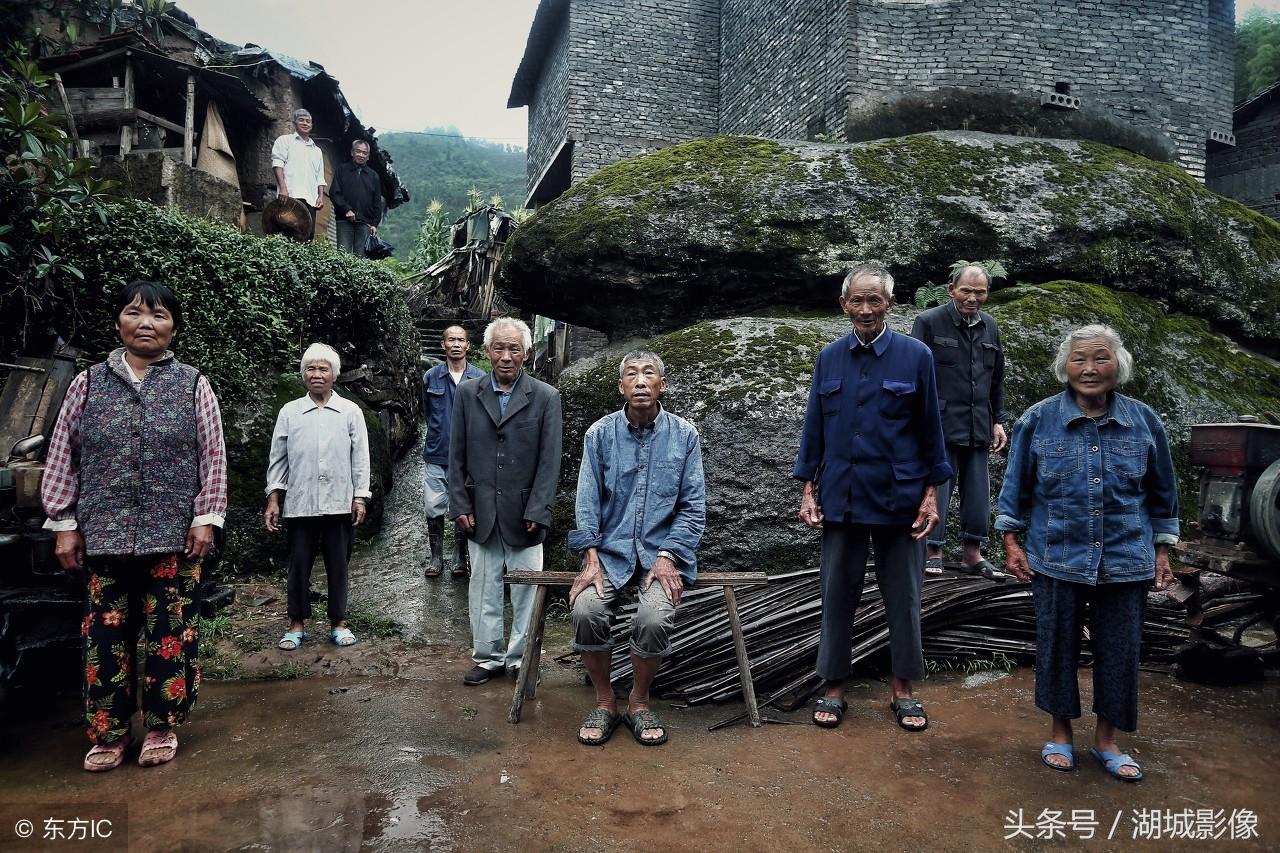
(1250, 172)
(166, 182)
(783, 72)
(1162, 68)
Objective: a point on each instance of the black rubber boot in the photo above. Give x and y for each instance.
(435, 540)
(461, 561)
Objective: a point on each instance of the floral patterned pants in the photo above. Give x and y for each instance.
(157, 595)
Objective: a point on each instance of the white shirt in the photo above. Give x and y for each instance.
(319, 457)
(303, 164)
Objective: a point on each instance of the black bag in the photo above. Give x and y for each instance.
(375, 248)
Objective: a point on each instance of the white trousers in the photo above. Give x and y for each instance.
(485, 600)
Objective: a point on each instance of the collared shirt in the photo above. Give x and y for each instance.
(319, 457)
(640, 491)
(60, 485)
(504, 397)
(968, 360)
(438, 386)
(1093, 495)
(303, 164)
(872, 435)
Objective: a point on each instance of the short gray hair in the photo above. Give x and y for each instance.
(1095, 332)
(321, 352)
(958, 274)
(874, 268)
(641, 355)
(363, 142)
(526, 336)
(297, 114)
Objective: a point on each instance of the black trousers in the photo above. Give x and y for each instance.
(1115, 618)
(330, 536)
(970, 465)
(899, 572)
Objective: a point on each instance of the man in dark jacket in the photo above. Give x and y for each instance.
(357, 200)
(969, 362)
(504, 460)
(438, 386)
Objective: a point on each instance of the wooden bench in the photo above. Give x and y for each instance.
(527, 682)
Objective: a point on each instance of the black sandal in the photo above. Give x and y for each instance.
(903, 708)
(829, 705)
(600, 719)
(646, 721)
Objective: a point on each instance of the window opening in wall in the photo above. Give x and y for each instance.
(1062, 88)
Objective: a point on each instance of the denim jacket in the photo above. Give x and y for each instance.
(640, 492)
(1092, 496)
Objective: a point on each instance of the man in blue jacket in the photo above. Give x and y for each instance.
(438, 385)
(871, 457)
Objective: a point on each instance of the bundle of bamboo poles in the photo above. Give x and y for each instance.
(962, 617)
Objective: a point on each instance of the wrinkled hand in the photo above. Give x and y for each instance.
(199, 541)
(271, 515)
(532, 526)
(1015, 559)
(69, 549)
(357, 511)
(1164, 572)
(999, 439)
(351, 214)
(591, 575)
(320, 200)
(282, 193)
(810, 512)
(466, 523)
(373, 230)
(664, 572)
(927, 516)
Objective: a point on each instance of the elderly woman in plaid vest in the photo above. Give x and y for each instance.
(135, 483)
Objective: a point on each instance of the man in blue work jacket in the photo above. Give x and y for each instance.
(871, 457)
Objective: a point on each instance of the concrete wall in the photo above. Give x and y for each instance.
(1157, 69)
(1250, 172)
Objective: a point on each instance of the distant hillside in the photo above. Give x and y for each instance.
(439, 164)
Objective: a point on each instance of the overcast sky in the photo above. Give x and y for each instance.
(410, 64)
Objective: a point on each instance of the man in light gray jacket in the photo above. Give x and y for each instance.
(504, 461)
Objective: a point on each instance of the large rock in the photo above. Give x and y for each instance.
(732, 225)
(744, 382)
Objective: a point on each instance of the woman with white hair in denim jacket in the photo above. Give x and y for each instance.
(320, 465)
(1090, 484)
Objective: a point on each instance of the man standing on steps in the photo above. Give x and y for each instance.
(969, 364)
(438, 385)
(298, 164)
(504, 460)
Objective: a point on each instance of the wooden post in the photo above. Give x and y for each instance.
(66, 108)
(126, 129)
(527, 682)
(744, 663)
(189, 126)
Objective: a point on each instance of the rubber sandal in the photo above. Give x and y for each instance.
(291, 640)
(117, 748)
(989, 571)
(1113, 761)
(342, 637)
(829, 705)
(645, 721)
(158, 748)
(600, 719)
(933, 566)
(1063, 749)
(903, 708)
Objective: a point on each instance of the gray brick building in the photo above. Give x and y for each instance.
(609, 80)
(1250, 170)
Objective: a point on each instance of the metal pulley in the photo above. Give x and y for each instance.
(1264, 509)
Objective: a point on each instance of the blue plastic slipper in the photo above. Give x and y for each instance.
(291, 640)
(1113, 761)
(1063, 749)
(342, 637)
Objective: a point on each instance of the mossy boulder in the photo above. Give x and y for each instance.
(728, 226)
(744, 381)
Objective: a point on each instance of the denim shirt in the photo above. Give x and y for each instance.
(437, 409)
(640, 492)
(1093, 496)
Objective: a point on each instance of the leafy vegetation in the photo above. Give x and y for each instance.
(1257, 53)
(441, 165)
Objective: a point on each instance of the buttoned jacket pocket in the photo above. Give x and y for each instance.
(946, 351)
(829, 397)
(1057, 459)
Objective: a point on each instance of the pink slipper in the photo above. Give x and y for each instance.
(159, 747)
(115, 750)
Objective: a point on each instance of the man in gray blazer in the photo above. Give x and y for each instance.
(504, 461)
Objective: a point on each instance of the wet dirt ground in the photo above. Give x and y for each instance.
(386, 750)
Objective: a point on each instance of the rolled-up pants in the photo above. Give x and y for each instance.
(593, 617)
(974, 481)
(899, 572)
(484, 599)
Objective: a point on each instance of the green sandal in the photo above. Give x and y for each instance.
(600, 719)
(646, 721)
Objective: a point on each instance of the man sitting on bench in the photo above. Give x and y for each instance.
(641, 509)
